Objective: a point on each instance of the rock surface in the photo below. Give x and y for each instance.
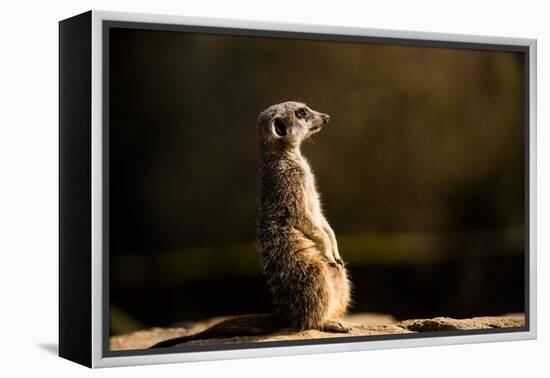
(365, 324)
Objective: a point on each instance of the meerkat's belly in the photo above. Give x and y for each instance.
(341, 293)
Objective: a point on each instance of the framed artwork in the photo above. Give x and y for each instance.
(234, 189)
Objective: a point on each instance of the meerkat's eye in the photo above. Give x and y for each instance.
(301, 113)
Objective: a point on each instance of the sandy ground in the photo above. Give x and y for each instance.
(363, 324)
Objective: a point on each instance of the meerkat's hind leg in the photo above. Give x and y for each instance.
(338, 326)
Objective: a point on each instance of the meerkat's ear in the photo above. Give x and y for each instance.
(280, 128)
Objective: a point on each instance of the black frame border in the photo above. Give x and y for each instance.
(75, 189)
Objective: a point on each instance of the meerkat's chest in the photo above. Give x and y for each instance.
(310, 190)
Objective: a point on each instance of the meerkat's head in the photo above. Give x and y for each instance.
(288, 124)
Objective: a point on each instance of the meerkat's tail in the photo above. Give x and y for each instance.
(245, 325)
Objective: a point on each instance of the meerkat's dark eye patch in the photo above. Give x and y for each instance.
(280, 127)
(301, 113)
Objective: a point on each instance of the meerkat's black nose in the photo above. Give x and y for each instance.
(326, 118)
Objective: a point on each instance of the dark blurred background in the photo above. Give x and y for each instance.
(421, 172)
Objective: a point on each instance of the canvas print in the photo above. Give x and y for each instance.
(277, 190)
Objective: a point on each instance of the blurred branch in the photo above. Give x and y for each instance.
(191, 264)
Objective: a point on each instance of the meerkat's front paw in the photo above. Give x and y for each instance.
(333, 263)
(328, 257)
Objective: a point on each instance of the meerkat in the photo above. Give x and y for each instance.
(298, 248)
(299, 252)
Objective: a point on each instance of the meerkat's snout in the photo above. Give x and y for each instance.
(325, 118)
(318, 122)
